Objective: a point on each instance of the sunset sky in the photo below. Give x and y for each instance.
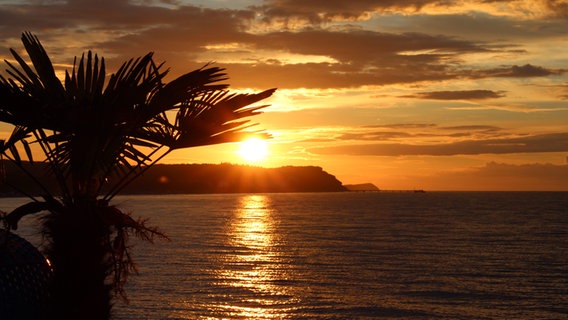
(435, 95)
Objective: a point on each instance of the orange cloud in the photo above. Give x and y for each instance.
(554, 142)
(458, 95)
(339, 10)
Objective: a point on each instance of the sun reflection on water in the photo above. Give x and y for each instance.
(253, 268)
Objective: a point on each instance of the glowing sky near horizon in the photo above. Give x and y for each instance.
(452, 95)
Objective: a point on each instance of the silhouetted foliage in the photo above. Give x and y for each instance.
(207, 178)
(98, 133)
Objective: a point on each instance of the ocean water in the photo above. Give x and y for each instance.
(435, 255)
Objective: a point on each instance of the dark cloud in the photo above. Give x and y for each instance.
(186, 29)
(361, 58)
(188, 23)
(559, 9)
(181, 33)
(318, 11)
(530, 144)
(119, 30)
(515, 71)
(374, 136)
(564, 88)
(360, 46)
(472, 128)
(374, 58)
(327, 75)
(478, 26)
(411, 126)
(419, 130)
(458, 95)
(316, 140)
(403, 126)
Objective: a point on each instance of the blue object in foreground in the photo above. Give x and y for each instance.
(24, 278)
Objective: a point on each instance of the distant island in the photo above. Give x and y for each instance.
(200, 178)
(361, 187)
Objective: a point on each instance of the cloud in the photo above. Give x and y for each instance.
(411, 133)
(473, 127)
(554, 142)
(476, 25)
(511, 107)
(418, 132)
(339, 10)
(564, 89)
(558, 8)
(369, 47)
(515, 71)
(325, 75)
(458, 95)
(374, 136)
(325, 11)
(403, 126)
(187, 35)
(361, 58)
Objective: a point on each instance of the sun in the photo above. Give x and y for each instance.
(253, 150)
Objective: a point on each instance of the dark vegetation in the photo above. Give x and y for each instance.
(200, 178)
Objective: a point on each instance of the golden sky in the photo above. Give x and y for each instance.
(428, 94)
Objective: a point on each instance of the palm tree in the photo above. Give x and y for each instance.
(97, 135)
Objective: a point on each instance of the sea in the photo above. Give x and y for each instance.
(349, 255)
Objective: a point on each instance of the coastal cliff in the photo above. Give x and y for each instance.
(228, 178)
(200, 178)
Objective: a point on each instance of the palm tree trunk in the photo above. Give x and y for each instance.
(80, 257)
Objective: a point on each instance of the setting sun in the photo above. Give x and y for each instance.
(253, 150)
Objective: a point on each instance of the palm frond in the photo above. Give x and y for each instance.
(213, 119)
(188, 86)
(17, 214)
(28, 77)
(18, 136)
(86, 81)
(42, 64)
